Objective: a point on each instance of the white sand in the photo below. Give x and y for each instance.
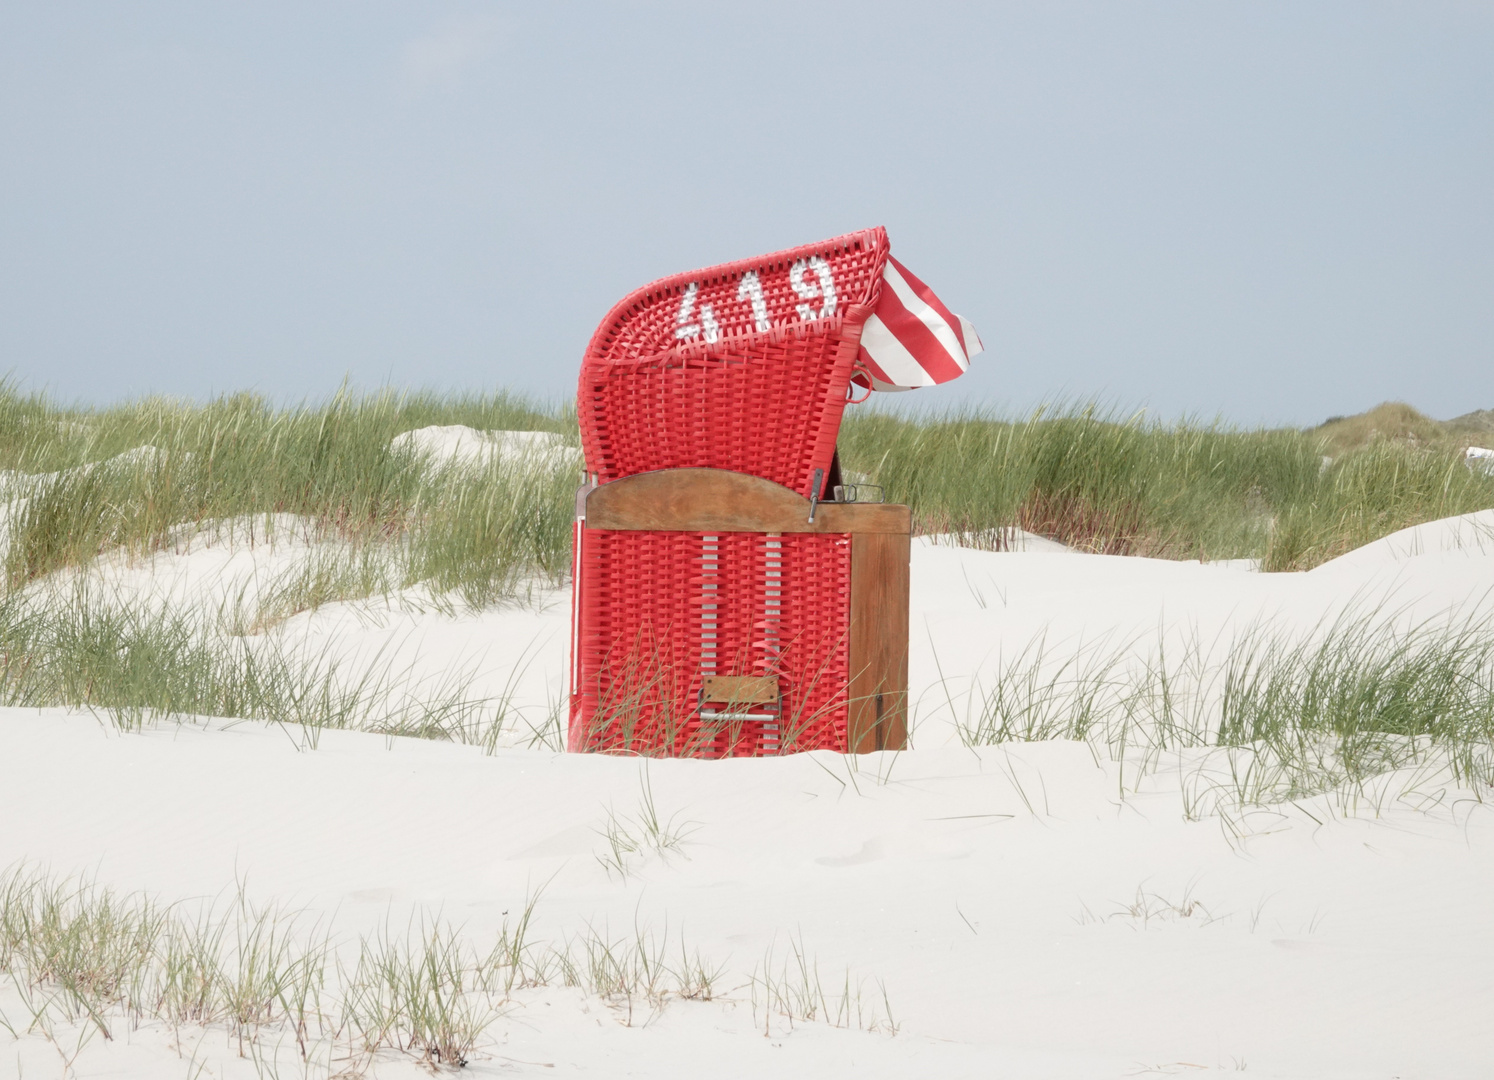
(988, 890)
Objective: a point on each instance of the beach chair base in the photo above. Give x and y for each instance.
(719, 614)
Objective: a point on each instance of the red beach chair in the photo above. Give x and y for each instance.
(721, 609)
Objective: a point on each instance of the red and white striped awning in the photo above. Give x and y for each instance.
(911, 338)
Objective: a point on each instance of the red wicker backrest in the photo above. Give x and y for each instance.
(743, 366)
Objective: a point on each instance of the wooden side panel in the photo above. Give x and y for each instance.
(715, 500)
(879, 642)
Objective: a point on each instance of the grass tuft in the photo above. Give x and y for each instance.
(82, 647)
(1111, 484)
(133, 476)
(1277, 716)
(76, 952)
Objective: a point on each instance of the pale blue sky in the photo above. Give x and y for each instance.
(1272, 212)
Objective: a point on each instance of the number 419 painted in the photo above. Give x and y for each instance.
(698, 320)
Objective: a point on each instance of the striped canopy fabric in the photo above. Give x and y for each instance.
(911, 338)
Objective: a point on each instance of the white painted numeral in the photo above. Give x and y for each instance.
(684, 326)
(752, 289)
(696, 319)
(824, 291)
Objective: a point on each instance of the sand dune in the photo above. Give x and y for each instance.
(1029, 908)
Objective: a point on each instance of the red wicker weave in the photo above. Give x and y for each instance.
(743, 366)
(659, 611)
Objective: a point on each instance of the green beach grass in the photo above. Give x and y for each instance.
(1264, 715)
(158, 475)
(133, 476)
(1130, 486)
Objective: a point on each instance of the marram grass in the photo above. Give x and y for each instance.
(86, 962)
(161, 475)
(1268, 716)
(83, 647)
(133, 477)
(81, 483)
(1132, 486)
(82, 957)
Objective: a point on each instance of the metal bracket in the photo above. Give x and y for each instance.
(860, 493)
